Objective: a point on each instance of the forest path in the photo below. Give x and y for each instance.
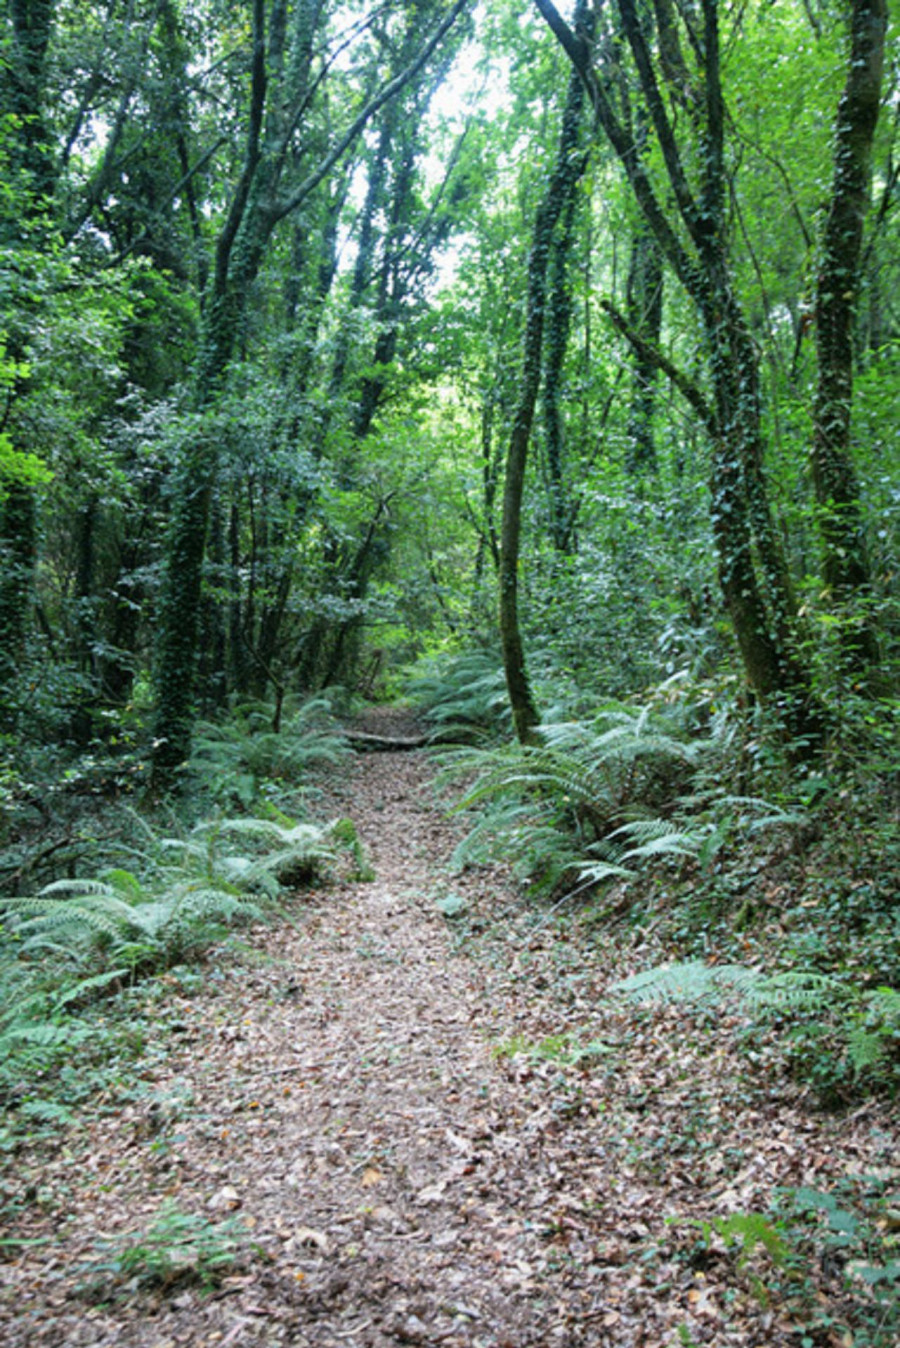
(339, 1090)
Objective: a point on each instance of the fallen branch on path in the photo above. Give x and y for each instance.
(366, 743)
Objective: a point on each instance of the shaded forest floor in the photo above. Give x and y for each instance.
(408, 1117)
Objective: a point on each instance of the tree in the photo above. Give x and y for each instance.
(269, 189)
(693, 237)
(570, 163)
(845, 564)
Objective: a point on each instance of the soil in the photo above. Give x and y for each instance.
(426, 1126)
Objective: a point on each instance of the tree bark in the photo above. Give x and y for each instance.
(645, 310)
(845, 563)
(570, 163)
(559, 319)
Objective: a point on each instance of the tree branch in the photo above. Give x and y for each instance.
(366, 114)
(650, 351)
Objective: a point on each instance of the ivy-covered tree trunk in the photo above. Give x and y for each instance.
(22, 76)
(559, 319)
(845, 563)
(691, 235)
(18, 539)
(644, 309)
(32, 174)
(570, 163)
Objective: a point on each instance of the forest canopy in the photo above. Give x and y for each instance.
(335, 336)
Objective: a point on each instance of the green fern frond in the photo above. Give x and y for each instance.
(659, 837)
(91, 907)
(563, 806)
(800, 990)
(464, 694)
(689, 981)
(290, 853)
(235, 756)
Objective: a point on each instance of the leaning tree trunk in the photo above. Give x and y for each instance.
(691, 235)
(845, 564)
(570, 164)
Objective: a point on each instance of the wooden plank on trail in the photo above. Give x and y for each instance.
(366, 743)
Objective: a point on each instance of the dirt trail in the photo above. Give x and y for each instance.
(339, 1091)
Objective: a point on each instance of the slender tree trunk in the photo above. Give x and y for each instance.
(570, 164)
(18, 536)
(559, 321)
(845, 563)
(644, 309)
(31, 164)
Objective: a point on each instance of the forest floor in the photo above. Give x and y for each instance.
(420, 1123)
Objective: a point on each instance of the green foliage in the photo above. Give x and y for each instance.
(176, 1248)
(746, 1232)
(464, 696)
(278, 855)
(117, 915)
(243, 757)
(569, 812)
(845, 1235)
(567, 1049)
(841, 1037)
(342, 832)
(452, 905)
(78, 940)
(850, 1231)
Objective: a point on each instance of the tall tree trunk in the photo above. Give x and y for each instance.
(33, 175)
(845, 563)
(644, 310)
(559, 320)
(18, 536)
(570, 164)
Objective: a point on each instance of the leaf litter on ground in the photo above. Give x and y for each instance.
(433, 1127)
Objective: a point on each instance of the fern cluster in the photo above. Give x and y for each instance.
(587, 805)
(234, 759)
(464, 697)
(865, 1022)
(77, 939)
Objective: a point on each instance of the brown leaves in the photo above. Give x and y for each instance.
(402, 1182)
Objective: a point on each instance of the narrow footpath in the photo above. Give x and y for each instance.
(428, 1130)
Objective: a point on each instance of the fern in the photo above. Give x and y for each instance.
(689, 981)
(865, 1021)
(235, 757)
(712, 984)
(564, 812)
(464, 696)
(295, 853)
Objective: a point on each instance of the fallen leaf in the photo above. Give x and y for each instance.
(308, 1235)
(225, 1199)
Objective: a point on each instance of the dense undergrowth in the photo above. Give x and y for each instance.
(684, 818)
(674, 816)
(673, 825)
(117, 894)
